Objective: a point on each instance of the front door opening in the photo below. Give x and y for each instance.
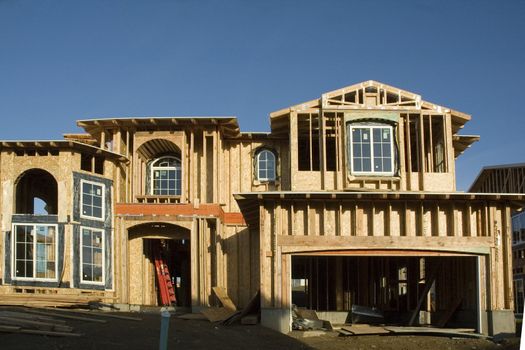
(175, 253)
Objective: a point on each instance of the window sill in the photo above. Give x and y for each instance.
(374, 177)
(158, 199)
(269, 182)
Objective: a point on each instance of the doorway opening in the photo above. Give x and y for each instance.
(175, 254)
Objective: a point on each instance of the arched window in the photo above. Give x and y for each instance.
(166, 176)
(265, 165)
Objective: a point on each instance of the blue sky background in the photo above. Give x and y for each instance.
(61, 61)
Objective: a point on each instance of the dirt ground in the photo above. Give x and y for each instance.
(201, 334)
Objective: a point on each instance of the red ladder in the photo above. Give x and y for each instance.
(167, 292)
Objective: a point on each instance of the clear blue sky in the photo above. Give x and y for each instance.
(61, 61)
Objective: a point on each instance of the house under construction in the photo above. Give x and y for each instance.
(349, 200)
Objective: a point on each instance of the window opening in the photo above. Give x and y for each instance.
(166, 176)
(92, 248)
(35, 251)
(92, 200)
(265, 160)
(371, 149)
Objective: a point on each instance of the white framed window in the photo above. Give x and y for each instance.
(92, 200)
(265, 165)
(166, 177)
(371, 149)
(92, 249)
(35, 250)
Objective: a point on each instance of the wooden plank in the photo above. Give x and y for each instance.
(434, 331)
(99, 314)
(10, 329)
(428, 284)
(217, 314)
(192, 317)
(250, 320)
(30, 316)
(365, 330)
(221, 293)
(71, 317)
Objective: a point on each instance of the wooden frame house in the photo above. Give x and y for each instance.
(349, 200)
(509, 178)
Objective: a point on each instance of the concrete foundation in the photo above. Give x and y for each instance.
(501, 323)
(276, 319)
(335, 317)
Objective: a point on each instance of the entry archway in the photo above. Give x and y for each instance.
(172, 242)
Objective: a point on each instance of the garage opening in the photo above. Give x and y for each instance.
(437, 291)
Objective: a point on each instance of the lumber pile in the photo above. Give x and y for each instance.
(47, 300)
(23, 322)
(49, 321)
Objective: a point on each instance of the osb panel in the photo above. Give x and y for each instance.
(135, 263)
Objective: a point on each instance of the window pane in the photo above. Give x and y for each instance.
(366, 150)
(367, 166)
(97, 212)
(86, 188)
(86, 255)
(97, 201)
(357, 164)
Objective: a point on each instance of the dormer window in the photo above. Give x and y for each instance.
(166, 177)
(265, 165)
(371, 149)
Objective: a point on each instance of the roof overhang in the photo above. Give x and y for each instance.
(462, 142)
(228, 125)
(60, 144)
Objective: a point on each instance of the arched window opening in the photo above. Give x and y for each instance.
(166, 176)
(265, 165)
(36, 193)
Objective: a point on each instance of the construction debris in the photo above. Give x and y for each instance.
(368, 315)
(304, 320)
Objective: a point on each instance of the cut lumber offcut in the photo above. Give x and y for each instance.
(225, 300)
(9, 329)
(365, 330)
(26, 315)
(217, 314)
(442, 322)
(250, 319)
(344, 333)
(253, 307)
(191, 317)
(26, 323)
(72, 317)
(447, 332)
(95, 313)
(50, 333)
